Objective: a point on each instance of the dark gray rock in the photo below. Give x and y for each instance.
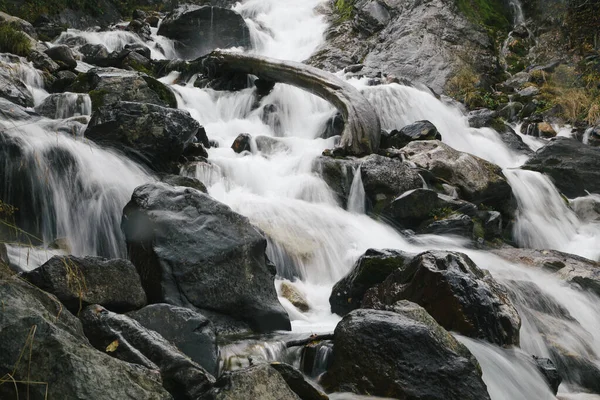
(186, 181)
(64, 105)
(420, 130)
(481, 118)
(191, 250)
(153, 134)
(369, 270)
(13, 89)
(42, 62)
(63, 79)
(190, 331)
(298, 383)
(243, 142)
(79, 282)
(460, 296)
(402, 353)
(549, 372)
(51, 346)
(96, 54)
(199, 30)
(573, 167)
(338, 173)
(454, 224)
(258, 382)
(63, 55)
(182, 377)
(140, 28)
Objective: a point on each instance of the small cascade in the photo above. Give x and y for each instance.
(517, 11)
(20, 69)
(356, 199)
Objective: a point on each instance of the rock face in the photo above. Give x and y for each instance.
(369, 270)
(257, 382)
(402, 353)
(79, 282)
(107, 86)
(573, 167)
(417, 41)
(298, 383)
(190, 331)
(457, 294)
(199, 30)
(57, 349)
(127, 340)
(150, 133)
(478, 180)
(420, 130)
(192, 250)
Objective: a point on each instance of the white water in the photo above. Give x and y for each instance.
(310, 236)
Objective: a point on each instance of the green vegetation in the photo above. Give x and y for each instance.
(491, 14)
(344, 9)
(464, 87)
(163, 92)
(13, 41)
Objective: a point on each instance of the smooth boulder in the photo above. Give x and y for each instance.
(573, 167)
(460, 296)
(81, 281)
(191, 250)
(420, 130)
(42, 342)
(63, 55)
(199, 30)
(190, 331)
(298, 383)
(153, 134)
(369, 270)
(127, 340)
(404, 354)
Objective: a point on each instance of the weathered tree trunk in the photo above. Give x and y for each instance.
(362, 128)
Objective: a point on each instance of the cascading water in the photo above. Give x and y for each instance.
(82, 188)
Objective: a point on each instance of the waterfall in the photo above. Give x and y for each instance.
(356, 199)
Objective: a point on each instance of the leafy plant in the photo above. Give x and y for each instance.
(14, 41)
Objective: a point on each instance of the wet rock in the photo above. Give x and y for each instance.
(587, 208)
(478, 180)
(194, 152)
(369, 270)
(96, 54)
(107, 86)
(13, 89)
(243, 142)
(56, 349)
(386, 178)
(338, 173)
(148, 133)
(42, 62)
(191, 249)
(63, 55)
(333, 127)
(491, 223)
(47, 29)
(573, 167)
(12, 112)
(456, 293)
(298, 383)
(481, 118)
(189, 331)
(414, 207)
(269, 145)
(454, 224)
(513, 140)
(64, 105)
(257, 382)
(270, 117)
(81, 281)
(127, 340)
(139, 49)
(140, 28)
(420, 130)
(199, 30)
(401, 353)
(538, 129)
(293, 294)
(185, 181)
(63, 80)
(549, 372)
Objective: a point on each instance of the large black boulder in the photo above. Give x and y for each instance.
(153, 134)
(404, 354)
(81, 281)
(460, 296)
(369, 270)
(191, 250)
(420, 130)
(44, 344)
(127, 340)
(256, 382)
(573, 167)
(190, 331)
(63, 55)
(200, 30)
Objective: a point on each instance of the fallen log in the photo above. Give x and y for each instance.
(362, 128)
(311, 338)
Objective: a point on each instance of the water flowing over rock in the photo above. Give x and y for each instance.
(65, 105)
(362, 128)
(190, 331)
(199, 30)
(298, 383)
(13, 89)
(460, 296)
(258, 382)
(55, 356)
(191, 250)
(573, 167)
(129, 341)
(479, 181)
(79, 282)
(402, 353)
(153, 134)
(369, 270)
